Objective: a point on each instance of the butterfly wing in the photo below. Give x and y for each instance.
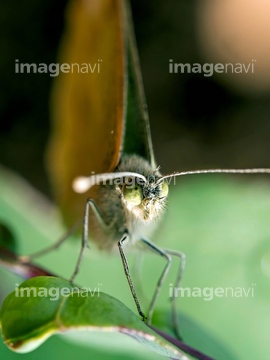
(87, 106)
(98, 112)
(137, 138)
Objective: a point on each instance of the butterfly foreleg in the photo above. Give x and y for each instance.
(121, 242)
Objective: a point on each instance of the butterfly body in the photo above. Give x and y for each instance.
(128, 205)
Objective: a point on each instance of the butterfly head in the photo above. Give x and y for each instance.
(146, 199)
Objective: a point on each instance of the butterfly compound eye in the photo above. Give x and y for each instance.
(133, 194)
(164, 189)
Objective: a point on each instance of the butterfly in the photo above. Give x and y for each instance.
(101, 145)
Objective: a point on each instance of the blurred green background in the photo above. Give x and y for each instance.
(197, 122)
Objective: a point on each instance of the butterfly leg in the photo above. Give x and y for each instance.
(127, 273)
(167, 254)
(90, 203)
(162, 278)
(54, 246)
(175, 321)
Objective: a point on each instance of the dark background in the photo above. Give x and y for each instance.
(196, 122)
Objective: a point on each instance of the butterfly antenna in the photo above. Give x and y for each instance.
(82, 184)
(216, 171)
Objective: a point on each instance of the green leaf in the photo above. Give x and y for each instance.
(43, 306)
